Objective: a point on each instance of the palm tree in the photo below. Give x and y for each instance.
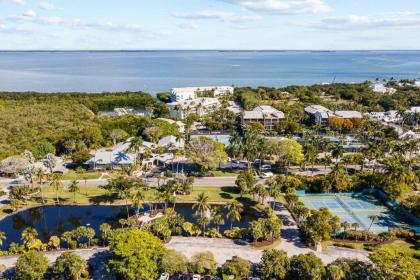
(56, 184)
(29, 235)
(234, 211)
(105, 230)
(372, 218)
(203, 222)
(40, 177)
(2, 238)
(335, 272)
(337, 151)
(202, 204)
(74, 188)
(135, 144)
(218, 219)
(345, 225)
(137, 198)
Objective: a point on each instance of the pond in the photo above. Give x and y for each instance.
(55, 220)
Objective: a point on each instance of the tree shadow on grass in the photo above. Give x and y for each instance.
(104, 198)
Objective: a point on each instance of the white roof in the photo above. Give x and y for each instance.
(112, 157)
(349, 114)
(312, 109)
(263, 111)
(171, 141)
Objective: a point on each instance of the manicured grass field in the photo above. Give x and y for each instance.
(96, 195)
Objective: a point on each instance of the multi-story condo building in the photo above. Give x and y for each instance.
(266, 115)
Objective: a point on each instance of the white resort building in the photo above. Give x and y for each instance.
(200, 106)
(188, 93)
(381, 88)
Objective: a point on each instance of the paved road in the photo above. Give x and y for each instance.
(86, 254)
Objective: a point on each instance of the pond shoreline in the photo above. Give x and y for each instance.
(97, 204)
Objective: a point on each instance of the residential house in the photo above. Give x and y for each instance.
(118, 157)
(171, 142)
(266, 115)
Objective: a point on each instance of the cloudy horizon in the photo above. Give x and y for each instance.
(210, 24)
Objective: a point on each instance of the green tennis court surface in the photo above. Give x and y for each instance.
(356, 208)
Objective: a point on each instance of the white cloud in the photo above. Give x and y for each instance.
(47, 6)
(17, 2)
(219, 15)
(283, 6)
(78, 23)
(187, 25)
(383, 20)
(29, 14)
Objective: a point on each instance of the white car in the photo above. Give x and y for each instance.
(196, 277)
(164, 276)
(266, 167)
(266, 175)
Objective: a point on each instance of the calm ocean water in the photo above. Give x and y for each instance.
(160, 70)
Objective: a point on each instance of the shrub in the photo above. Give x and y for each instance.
(235, 233)
(213, 233)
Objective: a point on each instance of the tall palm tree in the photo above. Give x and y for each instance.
(218, 219)
(137, 197)
(372, 218)
(40, 177)
(345, 225)
(74, 188)
(56, 184)
(136, 144)
(2, 238)
(337, 151)
(203, 222)
(202, 204)
(234, 211)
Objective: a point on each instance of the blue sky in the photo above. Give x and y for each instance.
(209, 24)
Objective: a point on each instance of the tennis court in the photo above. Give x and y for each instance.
(356, 208)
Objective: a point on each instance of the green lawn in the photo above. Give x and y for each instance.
(411, 249)
(88, 175)
(96, 195)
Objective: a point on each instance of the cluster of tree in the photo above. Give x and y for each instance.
(35, 265)
(360, 93)
(80, 237)
(67, 122)
(343, 125)
(251, 146)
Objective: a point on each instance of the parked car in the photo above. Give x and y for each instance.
(164, 276)
(265, 167)
(266, 175)
(17, 182)
(196, 277)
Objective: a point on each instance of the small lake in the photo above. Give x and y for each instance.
(55, 220)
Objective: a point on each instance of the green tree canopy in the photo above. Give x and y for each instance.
(136, 254)
(32, 265)
(274, 264)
